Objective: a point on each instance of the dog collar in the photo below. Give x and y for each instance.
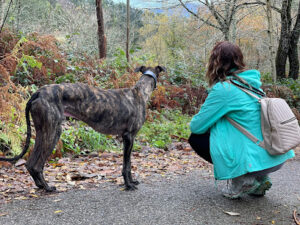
(151, 74)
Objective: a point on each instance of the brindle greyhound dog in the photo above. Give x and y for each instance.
(116, 111)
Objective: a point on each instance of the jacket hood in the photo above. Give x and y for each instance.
(252, 77)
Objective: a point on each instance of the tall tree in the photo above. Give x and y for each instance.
(293, 51)
(1, 10)
(288, 41)
(271, 42)
(5, 16)
(101, 33)
(128, 30)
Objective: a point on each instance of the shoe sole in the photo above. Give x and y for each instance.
(238, 195)
(261, 190)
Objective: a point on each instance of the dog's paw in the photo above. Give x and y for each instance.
(130, 187)
(50, 189)
(135, 182)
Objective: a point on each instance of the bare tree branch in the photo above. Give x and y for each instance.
(257, 3)
(198, 17)
(217, 16)
(232, 12)
(5, 16)
(187, 9)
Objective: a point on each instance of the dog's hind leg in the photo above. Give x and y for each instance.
(48, 130)
(128, 140)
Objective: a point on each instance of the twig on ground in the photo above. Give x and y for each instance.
(295, 218)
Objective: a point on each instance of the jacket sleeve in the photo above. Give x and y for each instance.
(214, 108)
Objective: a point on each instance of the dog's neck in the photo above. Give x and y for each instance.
(145, 86)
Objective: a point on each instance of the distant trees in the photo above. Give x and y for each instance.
(168, 36)
(223, 17)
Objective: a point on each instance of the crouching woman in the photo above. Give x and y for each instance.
(235, 157)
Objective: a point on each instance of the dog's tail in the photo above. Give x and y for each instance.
(27, 110)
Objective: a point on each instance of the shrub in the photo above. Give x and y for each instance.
(77, 137)
(170, 125)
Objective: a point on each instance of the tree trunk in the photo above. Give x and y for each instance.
(128, 30)
(233, 32)
(294, 61)
(293, 50)
(1, 10)
(281, 57)
(226, 33)
(284, 41)
(101, 34)
(18, 14)
(271, 43)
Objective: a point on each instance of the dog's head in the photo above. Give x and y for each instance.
(156, 70)
(151, 71)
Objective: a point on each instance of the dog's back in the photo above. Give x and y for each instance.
(107, 111)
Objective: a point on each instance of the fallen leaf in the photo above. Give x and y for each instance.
(82, 187)
(62, 189)
(187, 149)
(273, 221)
(73, 183)
(33, 195)
(68, 177)
(232, 213)
(21, 198)
(83, 176)
(57, 165)
(5, 164)
(20, 162)
(58, 211)
(57, 200)
(3, 214)
(119, 180)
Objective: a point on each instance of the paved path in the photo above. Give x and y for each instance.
(188, 199)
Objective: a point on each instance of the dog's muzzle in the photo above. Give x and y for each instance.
(153, 75)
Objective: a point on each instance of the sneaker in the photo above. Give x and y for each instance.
(265, 185)
(230, 192)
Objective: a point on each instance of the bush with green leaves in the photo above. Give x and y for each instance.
(294, 86)
(169, 126)
(11, 134)
(80, 138)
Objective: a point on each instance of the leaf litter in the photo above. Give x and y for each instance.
(86, 172)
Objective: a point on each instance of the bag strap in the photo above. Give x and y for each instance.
(244, 131)
(247, 90)
(236, 124)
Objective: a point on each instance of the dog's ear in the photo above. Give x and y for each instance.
(140, 69)
(160, 69)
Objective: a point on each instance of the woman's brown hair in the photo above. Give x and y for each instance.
(225, 58)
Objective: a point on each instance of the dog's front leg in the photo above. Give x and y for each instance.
(128, 140)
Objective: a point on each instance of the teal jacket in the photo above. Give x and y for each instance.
(233, 154)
